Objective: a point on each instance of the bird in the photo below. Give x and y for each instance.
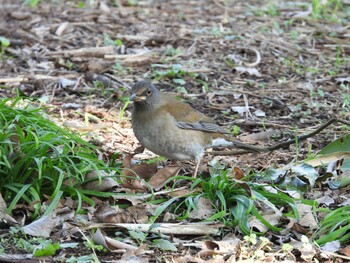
(173, 129)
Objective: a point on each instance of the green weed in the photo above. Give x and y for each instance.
(4, 43)
(234, 201)
(32, 3)
(335, 226)
(39, 158)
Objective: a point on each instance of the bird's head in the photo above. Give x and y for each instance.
(144, 93)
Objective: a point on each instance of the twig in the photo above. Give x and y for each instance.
(302, 137)
(261, 124)
(283, 144)
(167, 228)
(83, 52)
(118, 81)
(257, 54)
(27, 78)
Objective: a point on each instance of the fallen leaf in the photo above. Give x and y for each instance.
(240, 109)
(203, 210)
(327, 158)
(111, 244)
(332, 246)
(63, 28)
(160, 178)
(143, 170)
(164, 245)
(41, 227)
(108, 214)
(307, 171)
(259, 113)
(236, 173)
(99, 181)
(308, 220)
(326, 199)
(3, 215)
(67, 82)
(299, 229)
(250, 71)
(272, 218)
(228, 246)
(346, 250)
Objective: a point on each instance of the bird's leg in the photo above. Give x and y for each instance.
(198, 162)
(196, 170)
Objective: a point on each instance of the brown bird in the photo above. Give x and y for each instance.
(172, 128)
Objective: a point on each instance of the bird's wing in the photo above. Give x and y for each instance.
(189, 118)
(202, 126)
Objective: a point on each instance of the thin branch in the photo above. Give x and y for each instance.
(283, 144)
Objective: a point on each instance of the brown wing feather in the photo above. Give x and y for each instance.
(182, 112)
(189, 118)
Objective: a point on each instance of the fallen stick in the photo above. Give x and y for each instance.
(167, 228)
(83, 52)
(283, 144)
(26, 78)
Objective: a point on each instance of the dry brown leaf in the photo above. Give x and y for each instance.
(141, 212)
(185, 259)
(41, 227)
(204, 209)
(99, 181)
(236, 173)
(133, 255)
(298, 228)
(346, 251)
(139, 60)
(160, 178)
(180, 192)
(133, 174)
(260, 136)
(127, 160)
(211, 256)
(3, 215)
(211, 245)
(326, 199)
(138, 186)
(108, 214)
(133, 199)
(307, 218)
(169, 217)
(112, 245)
(142, 170)
(228, 246)
(272, 218)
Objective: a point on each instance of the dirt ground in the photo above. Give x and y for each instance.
(273, 68)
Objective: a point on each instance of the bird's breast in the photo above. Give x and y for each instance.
(161, 135)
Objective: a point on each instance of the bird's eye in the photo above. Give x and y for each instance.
(148, 92)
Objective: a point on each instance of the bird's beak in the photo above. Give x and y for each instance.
(134, 97)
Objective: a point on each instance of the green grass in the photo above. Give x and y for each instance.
(235, 201)
(335, 226)
(39, 159)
